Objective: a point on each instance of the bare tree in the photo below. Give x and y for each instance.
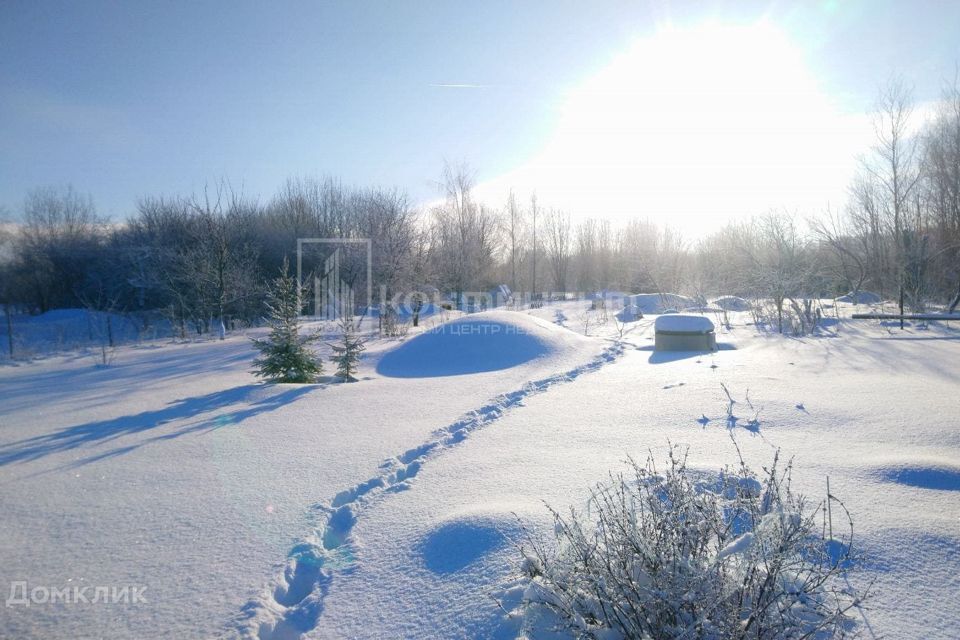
(871, 232)
(464, 243)
(7, 276)
(851, 268)
(60, 234)
(941, 176)
(534, 210)
(587, 236)
(559, 249)
(779, 266)
(651, 258)
(894, 169)
(222, 263)
(515, 234)
(605, 253)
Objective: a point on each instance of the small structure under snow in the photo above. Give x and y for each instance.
(732, 303)
(860, 297)
(630, 313)
(681, 332)
(660, 302)
(500, 295)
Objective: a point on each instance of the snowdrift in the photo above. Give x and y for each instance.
(488, 341)
(732, 303)
(629, 313)
(860, 297)
(658, 303)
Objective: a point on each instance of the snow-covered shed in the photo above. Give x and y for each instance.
(683, 332)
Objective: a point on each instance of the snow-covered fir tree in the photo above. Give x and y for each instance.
(285, 355)
(347, 354)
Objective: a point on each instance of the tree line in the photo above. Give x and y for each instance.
(203, 260)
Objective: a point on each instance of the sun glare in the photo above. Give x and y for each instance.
(694, 127)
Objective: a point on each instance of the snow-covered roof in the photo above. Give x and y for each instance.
(682, 323)
(861, 297)
(732, 303)
(659, 302)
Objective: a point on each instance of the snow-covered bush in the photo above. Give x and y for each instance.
(392, 323)
(795, 316)
(673, 553)
(285, 355)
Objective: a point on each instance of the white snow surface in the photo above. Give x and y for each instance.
(487, 341)
(386, 508)
(861, 297)
(683, 323)
(60, 330)
(732, 303)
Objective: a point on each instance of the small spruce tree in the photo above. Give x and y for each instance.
(347, 354)
(285, 355)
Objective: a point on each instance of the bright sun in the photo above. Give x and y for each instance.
(694, 127)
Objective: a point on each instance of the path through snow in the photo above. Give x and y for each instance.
(291, 605)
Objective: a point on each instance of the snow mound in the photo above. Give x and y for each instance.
(680, 323)
(488, 341)
(860, 297)
(659, 303)
(732, 303)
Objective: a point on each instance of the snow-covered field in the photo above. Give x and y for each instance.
(385, 508)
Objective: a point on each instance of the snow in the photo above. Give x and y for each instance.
(174, 469)
(732, 303)
(653, 303)
(487, 341)
(630, 313)
(861, 297)
(60, 330)
(405, 311)
(389, 507)
(683, 323)
(736, 546)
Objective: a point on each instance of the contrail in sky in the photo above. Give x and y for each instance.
(459, 85)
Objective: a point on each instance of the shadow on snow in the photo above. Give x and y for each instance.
(103, 431)
(660, 357)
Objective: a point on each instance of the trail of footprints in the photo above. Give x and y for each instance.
(293, 603)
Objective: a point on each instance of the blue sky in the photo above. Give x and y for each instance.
(125, 99)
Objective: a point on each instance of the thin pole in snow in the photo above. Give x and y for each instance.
(829, 508)
(901, 307)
